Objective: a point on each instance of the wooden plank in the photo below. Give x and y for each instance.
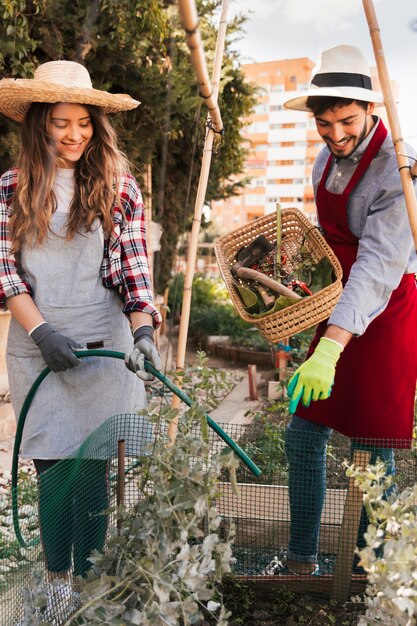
(252, 534)
(348, 533)
(314, 585)
(271, 502)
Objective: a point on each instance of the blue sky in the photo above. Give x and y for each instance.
(278, 29)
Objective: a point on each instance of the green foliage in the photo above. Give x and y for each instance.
(204, 291)
(214, 319)
(204, 385)
(165, 564)
(239, 597)
(138, 47)
(264, 444)
(300, 344)
(212, 313)
(163, 568)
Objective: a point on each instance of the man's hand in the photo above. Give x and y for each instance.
(56, 349)
(144, 348)
(314, 379)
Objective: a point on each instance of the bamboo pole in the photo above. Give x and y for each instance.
(279, 238)
(198, 210)
(148, 219)
(400, 149)
(189, 19)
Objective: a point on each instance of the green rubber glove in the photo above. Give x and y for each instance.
(315, 377)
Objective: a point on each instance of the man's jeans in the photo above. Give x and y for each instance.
(305, 446)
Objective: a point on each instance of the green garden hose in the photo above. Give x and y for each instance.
(116, 355)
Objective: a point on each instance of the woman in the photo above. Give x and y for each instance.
(73, 274)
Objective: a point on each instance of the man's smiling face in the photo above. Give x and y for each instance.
(343, 128)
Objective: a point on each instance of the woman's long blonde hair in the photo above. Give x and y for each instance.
(97, 176)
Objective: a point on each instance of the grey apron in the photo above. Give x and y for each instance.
(68, 290)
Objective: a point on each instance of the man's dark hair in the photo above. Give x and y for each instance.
(320, 104)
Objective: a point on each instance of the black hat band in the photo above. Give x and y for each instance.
(342, 79)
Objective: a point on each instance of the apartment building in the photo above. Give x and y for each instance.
(282, 146)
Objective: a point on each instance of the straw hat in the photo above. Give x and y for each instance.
(58, 81)
(341, 72)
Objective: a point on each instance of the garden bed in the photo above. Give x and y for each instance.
(238, 354)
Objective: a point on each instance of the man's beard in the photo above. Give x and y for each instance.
(359, 141)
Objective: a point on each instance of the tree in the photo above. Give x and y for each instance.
(138, 47)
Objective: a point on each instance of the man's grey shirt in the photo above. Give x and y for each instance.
(377, 216)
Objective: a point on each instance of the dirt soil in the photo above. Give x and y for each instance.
(252, 605)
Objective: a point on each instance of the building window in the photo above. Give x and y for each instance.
(257, 165)
(276, 107)
(254, 199)
(285, 144)
(261, 147)
(257, 127)
(277, 88)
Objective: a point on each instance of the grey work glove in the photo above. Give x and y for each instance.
(144, 348)
(56, 349)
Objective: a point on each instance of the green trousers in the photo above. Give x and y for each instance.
(73, 498)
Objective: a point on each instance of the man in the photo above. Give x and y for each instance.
(360, 374)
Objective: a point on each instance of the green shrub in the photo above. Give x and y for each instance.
(165, 564)
(212, 313)
(205, 291)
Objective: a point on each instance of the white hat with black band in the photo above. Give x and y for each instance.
(341, 72)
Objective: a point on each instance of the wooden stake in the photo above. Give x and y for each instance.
(283, 357)
(120, 498)
(198, 210)
(400, 149)
(253, 382)
(349, 532)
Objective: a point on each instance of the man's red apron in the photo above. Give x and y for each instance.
(374, 390)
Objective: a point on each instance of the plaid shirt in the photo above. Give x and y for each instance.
(125, 263)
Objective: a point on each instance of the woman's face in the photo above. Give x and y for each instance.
(71, 127)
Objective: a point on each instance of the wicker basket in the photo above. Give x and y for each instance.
(304, 313)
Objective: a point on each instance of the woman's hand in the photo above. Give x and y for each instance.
(144, 348)
(56, 349)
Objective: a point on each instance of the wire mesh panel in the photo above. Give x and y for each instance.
(307, 509)
(308, 506)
